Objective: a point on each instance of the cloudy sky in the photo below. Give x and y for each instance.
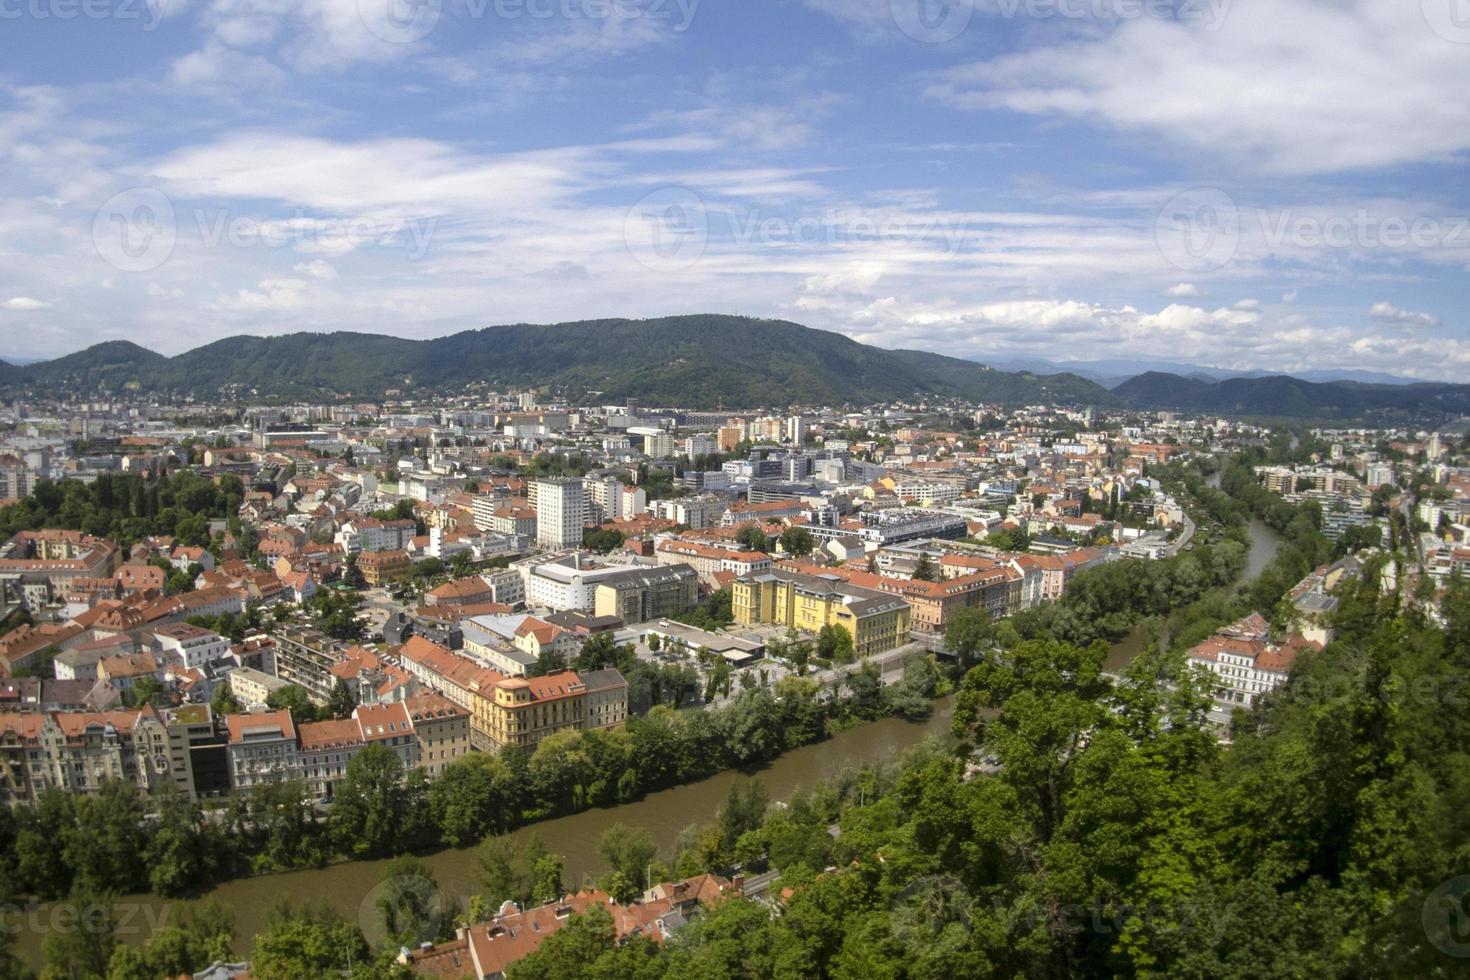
(1241, 183)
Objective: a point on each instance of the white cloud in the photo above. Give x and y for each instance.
(317, 269)
(1247, 304)
(1388, 313)
(25, 303)
(1370, 84)
(1289, 296)
(1184, 290)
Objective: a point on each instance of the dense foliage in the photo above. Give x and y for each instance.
(698, 361)
(128, 506)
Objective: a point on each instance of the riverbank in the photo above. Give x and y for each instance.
(348, 886)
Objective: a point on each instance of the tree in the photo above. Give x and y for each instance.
(744, 811)
(752, 537)
(471, 798)
(576, 949)
(343, 700)
(546, 878)
(969, 634)
(306, 941)
(628, 852)
(924, 570)
(410, 906)
(377, 810)
(224, 702)
(835, 644)
(518, 871)
(797, 541)
(82, 948)
(293, 698)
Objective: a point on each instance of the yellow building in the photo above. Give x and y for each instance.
(876, 621)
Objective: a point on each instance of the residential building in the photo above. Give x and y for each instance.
(636, 595)
(250, 686)
(876, 621)
(190, 646)
(561, 513)
(262, 748)
(381, 567)
(442, 730)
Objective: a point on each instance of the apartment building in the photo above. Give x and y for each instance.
(636, 595)
(381, 567)
(876, 621)
(263, 748)
(442, 729)
(1247, 662)
(561, 513)
(190, 646)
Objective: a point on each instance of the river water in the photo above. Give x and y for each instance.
(349, 887)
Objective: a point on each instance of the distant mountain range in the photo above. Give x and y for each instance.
(1288, 397)
(1112, 372)
(695, 361)
(703, 361)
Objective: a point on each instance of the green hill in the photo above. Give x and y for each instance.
(693, 361)
(1283, 396)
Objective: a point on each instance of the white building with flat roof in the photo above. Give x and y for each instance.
(561, 513)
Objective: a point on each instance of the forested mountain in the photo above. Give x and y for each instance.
(696, 361)
(1280, 395)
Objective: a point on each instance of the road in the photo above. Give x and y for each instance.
(1182, 542)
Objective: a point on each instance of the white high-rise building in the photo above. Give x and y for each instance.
(561, 512)
(604, 498)
(796, 430)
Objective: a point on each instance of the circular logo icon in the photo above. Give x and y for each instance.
(400, 21)
(134, 231)
(929, 906)
(932, 21)
(1446, 917)
(1198, 230)
(1450, 19)
(405, 910)
(667, 230)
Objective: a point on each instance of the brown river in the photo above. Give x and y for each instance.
(348, 887)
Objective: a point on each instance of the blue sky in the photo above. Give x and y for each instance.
(1242, 183)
